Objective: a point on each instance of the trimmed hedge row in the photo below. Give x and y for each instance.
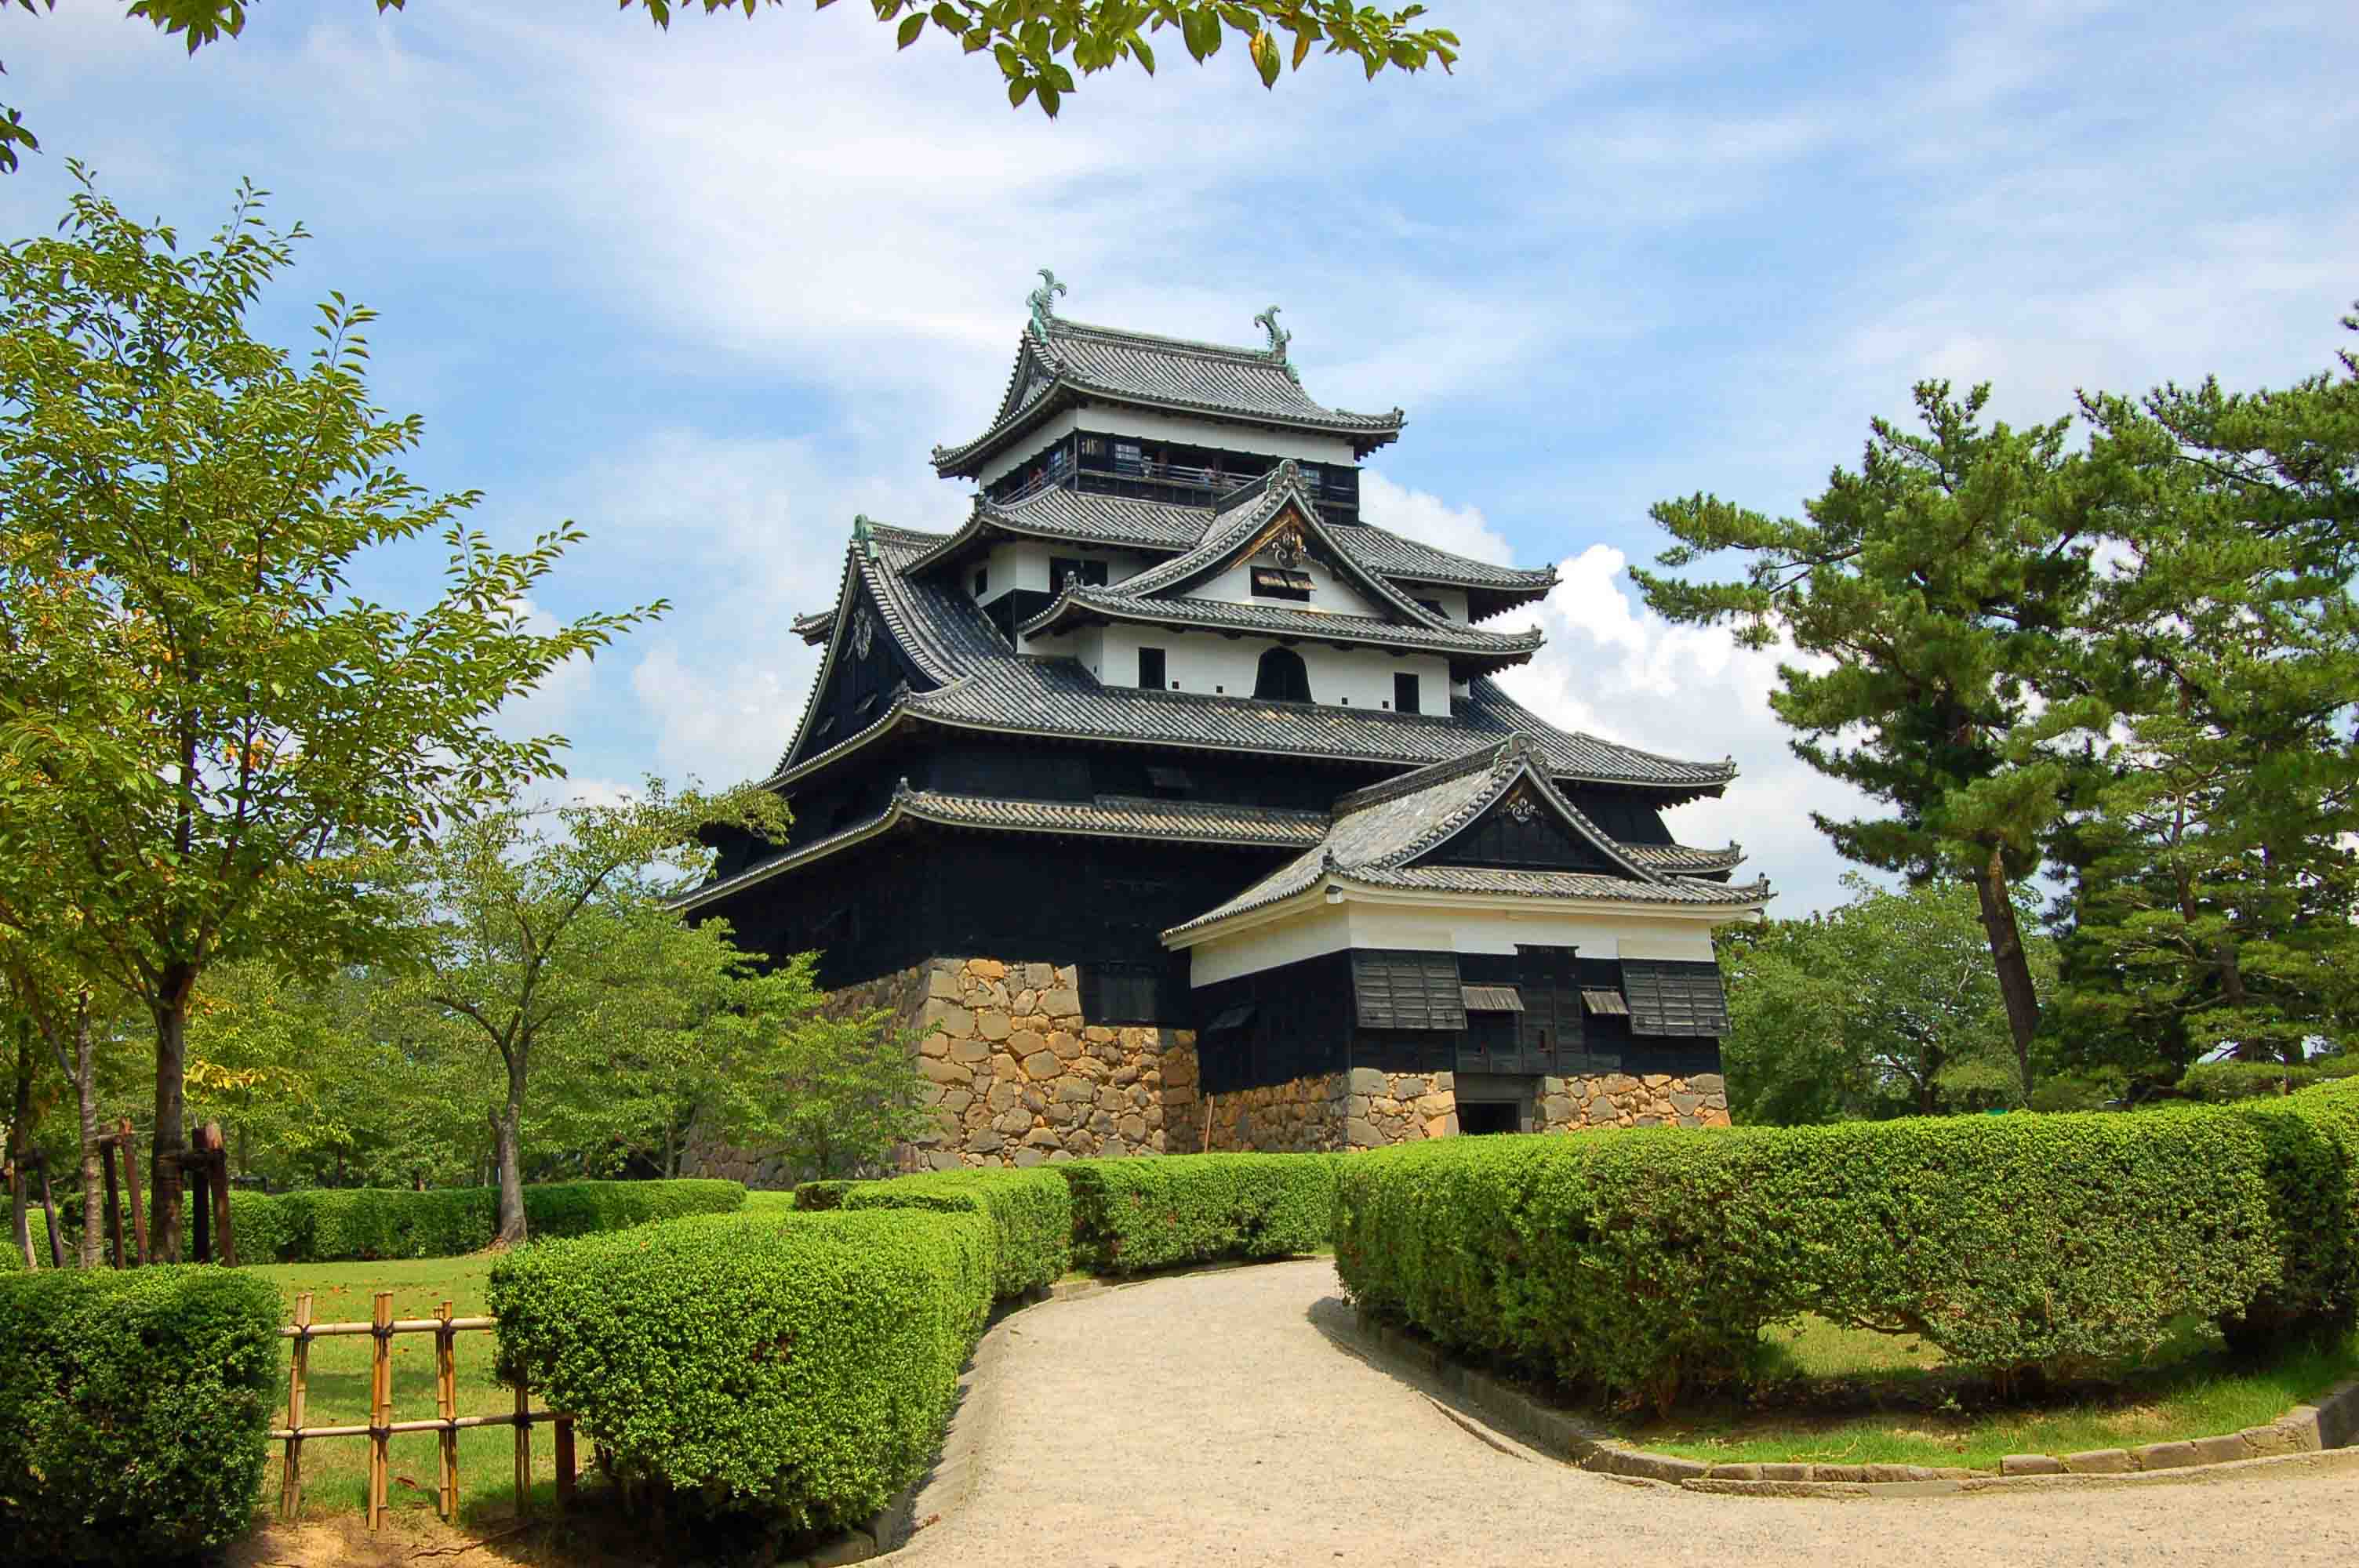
(1120, 1217)
(1030, 1213)
(134, 1410)
(802, 1365)
(339, 1225)
(257, 1218)
(331, 1225)
(2225, 1082)
(2312, 1168)
(1131, 1215)
(1647, 1261)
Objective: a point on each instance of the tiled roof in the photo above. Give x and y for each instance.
(1129, 817)
(1121, 817)
(1684, 860)
(1125, 817)
(1394, 556)
(1235, 532)
(1217, 379)
(984, 685)
(1381, 832)
(1059, 513)
(1084, 604)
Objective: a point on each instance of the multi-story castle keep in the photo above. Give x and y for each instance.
(1178, 806)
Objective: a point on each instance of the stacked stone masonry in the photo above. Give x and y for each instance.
(1365, 1108)
(1014, 1076)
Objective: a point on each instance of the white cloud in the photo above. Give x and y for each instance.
(1617, 669)
(1416, 514)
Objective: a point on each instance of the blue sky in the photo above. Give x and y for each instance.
(709, 293)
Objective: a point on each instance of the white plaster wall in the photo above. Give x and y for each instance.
(1332, 927)
(1024, 563)
(1215, 665)
(1330, 594)
(1154, 427)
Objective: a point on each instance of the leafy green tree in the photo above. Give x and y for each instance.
(761, 1063)
(1036, 44)
(2216, 900)
(222, 735)
(533, 923)
(1884, 1006)
(1939, 587)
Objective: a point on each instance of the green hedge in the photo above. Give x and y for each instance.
(1647, 1261)
(2312, 1165)
(803, 1365)
(134, 1410)
(818, 1197)
(2224, 1083)
(258, 1223)
(1030, 1212)
(1131, 1215)
(331, 1225)
(339, 1225)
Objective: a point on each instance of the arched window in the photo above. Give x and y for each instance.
(1281, 678)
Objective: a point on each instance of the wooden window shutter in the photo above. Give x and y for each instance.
(1681, 1000)
(1396, 988)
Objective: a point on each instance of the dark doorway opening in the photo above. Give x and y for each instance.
(1492, 1116)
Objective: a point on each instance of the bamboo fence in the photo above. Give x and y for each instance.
(381, 1427)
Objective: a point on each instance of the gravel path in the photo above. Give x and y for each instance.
(1223, 1418)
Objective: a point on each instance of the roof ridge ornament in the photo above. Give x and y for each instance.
(863, 534)
(1278, 338)
(1042, 302)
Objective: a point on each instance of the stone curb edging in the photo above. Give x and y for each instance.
(2331, 1423)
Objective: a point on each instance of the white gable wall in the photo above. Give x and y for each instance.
(1330, 594)
(1215, 665)
(1332, 927)
(1154, 427)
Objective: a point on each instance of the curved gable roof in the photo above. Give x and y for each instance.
(1073, 360)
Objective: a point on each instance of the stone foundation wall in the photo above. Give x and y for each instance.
(1365, 1108)
(1362, 1108)
(1016, 1076)
(1013, 1072)
(1302, 1116)
(1618, 1099)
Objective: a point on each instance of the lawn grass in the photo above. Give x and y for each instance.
(335, 1470)
(1838, 1396)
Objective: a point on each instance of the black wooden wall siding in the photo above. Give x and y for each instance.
(921, 892)
(1538, 838)
(1301, 1020)
(860, 686)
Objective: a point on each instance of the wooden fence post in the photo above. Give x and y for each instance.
(380, 1407)
(290, 1472)
(131, 1181)
(523, 1451)
(446, 1398)
(564, 1462)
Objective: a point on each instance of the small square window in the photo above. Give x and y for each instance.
(1405, 693)
(1151, 674)
(981, 581)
